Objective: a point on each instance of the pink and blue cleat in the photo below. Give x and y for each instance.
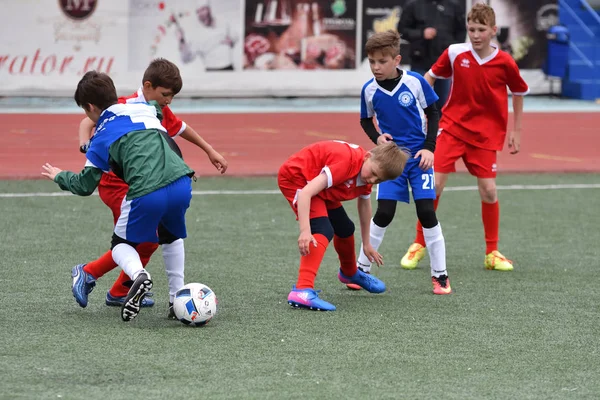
(308, 298)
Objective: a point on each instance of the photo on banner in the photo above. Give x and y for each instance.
(522, 27)
(296, 34)
(380, 16)
(199, 35)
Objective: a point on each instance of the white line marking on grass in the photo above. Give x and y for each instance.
(259, 192)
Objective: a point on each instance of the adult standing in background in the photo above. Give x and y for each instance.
(431, 26)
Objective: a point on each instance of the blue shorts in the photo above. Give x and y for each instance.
(421, 183)
(166, 206)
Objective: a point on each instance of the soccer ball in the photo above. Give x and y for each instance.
(195, 304)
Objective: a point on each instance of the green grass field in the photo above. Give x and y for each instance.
(529, 334)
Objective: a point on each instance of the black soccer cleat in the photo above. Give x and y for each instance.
(133, 301)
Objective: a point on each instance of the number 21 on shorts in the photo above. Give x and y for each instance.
(428, 181)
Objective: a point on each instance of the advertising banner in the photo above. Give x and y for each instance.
(224, 48)
(296, 34)
(379, 16)
(202, 35)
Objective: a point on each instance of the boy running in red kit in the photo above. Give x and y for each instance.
(474, 123)
(161, 82)
(315, 181)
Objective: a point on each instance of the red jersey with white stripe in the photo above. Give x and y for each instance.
(172, 124)
(477, 108)
(340, 161)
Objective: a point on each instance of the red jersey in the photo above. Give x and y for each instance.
(477, 108)
(340, 161)
(172, 124)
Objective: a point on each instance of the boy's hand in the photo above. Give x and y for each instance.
(83, 148)
(426, 159)
(304, 241)
(514, 141)
(50, 171)
(218, 161)
(373, 255)
(384, 138)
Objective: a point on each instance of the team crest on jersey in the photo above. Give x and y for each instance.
(406, 99)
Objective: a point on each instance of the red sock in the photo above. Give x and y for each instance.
(420, 238)
(490, 214)
(346, 253)
(309, 265)
(101, 266)
(145, 251)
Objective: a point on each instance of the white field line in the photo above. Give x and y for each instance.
(263, 192)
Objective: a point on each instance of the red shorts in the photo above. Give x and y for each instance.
(480, 162)
(318, 206)
(112, 191)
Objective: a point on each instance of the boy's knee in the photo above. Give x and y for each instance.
(341, 223)
(322, 225)
(386, 209)
(116, 240)
(488, 192)
(164, 236)
(426, 213)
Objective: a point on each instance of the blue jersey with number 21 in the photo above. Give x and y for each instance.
(400, 113)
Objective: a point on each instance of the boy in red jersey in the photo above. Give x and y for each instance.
(161, 82)
(474, 123)
(315, 181)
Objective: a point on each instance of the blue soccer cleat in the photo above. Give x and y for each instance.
(308, 298)
(113, 301)
(82, 285)
(366, 281)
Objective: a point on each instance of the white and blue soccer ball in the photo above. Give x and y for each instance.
(195, 304)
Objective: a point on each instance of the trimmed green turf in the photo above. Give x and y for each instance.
(524, 335)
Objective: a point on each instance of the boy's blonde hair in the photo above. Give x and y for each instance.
(390, 158)
(482, 14)
(387, 42)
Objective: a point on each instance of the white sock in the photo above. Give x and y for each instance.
(174, 257)
(436, 246)
(377, 233)
(128, 259)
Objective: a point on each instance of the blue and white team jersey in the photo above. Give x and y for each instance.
(115, 122)
(400, 112)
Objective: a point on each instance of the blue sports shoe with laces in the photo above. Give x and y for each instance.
(82, 285)
(308, 298)
(113, 301)
(366, 281)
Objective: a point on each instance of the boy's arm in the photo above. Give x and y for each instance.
(519, 89)
(433, 123)
(364, 216)
(82, 184)
(86, 128)
(216, 159)
(366, 121)
(429, 78)
(370, 129)
(304, 198)
(514, 138)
